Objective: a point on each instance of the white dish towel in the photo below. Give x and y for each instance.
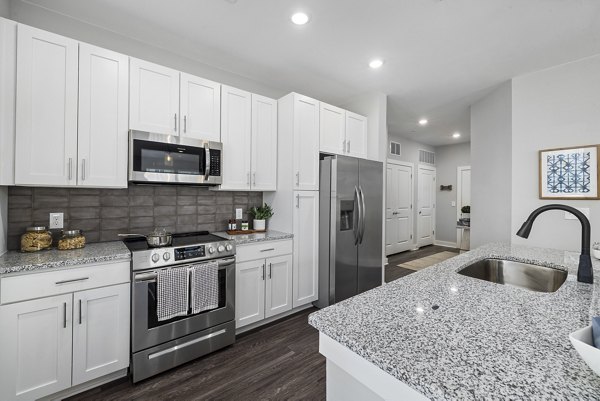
(205, 286)
(172, 292)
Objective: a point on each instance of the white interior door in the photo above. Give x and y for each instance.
(426, 206)
(398, 211)
(463, 194)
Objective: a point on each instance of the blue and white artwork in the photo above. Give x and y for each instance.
(569, 173)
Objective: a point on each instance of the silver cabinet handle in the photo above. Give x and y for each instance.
(71, 281)
(254, 178)
(79, 311)
(270, 269)
(298, 201)
(297, 178)
(263, 272)
(248, 178)
(267, 250)
(175, 118)
(184, 124)
(348, 146)
(82, 169)
(70, 168)
(65, 315)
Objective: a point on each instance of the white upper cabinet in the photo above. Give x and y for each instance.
(332, 129)
(264, 144)
(46, 111)
(103, 106)
(236, 108)
(200, 108)
(356, 135)
(306, 143)
(8, 78)
(153, 98)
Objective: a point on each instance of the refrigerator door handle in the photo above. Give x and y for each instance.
(363, 212)
(357, 216)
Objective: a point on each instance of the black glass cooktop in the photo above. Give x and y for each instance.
(180, 239)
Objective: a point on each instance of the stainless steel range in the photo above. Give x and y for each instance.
(156, 345)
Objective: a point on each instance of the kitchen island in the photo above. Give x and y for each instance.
(439, 335)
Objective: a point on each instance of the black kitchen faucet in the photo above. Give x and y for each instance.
(584, 272)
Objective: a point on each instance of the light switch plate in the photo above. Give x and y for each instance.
(56, 220)
(584, 210)
(238, 213)
(453, 204)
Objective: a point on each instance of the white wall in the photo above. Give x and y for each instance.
(410, 154)
(491, 166)
(374, 107)
(553, 108)
(48, 20)
(447, 160)
(5, 8)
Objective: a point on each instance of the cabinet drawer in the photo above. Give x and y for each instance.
(37, 285)
(263, 250)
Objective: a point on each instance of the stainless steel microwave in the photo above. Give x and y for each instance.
(172, 159)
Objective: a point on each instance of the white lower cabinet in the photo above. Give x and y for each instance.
(306, 247)
(56, 342)
(100, 325)
(35, 347)
(263, 287)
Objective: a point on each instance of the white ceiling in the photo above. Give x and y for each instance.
(440, 55)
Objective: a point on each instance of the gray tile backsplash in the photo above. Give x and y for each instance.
(104, 213)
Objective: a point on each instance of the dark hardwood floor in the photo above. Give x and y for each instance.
(394, 272)
(280, 361)
(277, 362)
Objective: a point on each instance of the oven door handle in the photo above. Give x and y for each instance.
(226, 262)
(151, 275)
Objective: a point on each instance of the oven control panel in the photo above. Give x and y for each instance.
(190, 252)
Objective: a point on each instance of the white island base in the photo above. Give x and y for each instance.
(350, 377)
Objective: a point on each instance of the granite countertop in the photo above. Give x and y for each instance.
(17, 262)
(269, 235)
(485, 341)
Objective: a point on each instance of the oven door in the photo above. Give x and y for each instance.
(147, 331)
(173, 159)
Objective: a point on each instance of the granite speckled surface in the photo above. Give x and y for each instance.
(485, 341)
(17, 262)
(270, 235)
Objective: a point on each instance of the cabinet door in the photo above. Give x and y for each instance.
(356, 135)
(8, 78)
(249, 292)
(235, 135)
(264, 143)
(100, 332)
(46, 126)
(306, 247)
(278, 291)
(103, 111)
(306, 143)
(332, 129)
(153, 98)
(200, 108)
(35, 344)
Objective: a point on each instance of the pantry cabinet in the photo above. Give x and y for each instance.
(305, 137)
(62, 328)
(306, 247)
(46, 111)
(263, 158)
(236, 107)
(263, 284)
(342, 132)
(71, 116)
(153, 98)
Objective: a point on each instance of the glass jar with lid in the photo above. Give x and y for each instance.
(71, 239)
(36, 239)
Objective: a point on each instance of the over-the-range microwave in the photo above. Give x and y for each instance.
(171, 159)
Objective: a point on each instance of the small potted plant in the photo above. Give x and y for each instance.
(596, 250)
(466, 211)
(260, 215)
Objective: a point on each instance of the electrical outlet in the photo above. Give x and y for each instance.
(238, 213)
(453, 204)
(56, 220)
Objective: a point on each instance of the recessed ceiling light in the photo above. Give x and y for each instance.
(456, 135)
(376, 63)
(423, 121)
(300, 18)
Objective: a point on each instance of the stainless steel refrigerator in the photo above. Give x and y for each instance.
(350, 228)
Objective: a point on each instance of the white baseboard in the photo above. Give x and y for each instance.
(447, 244)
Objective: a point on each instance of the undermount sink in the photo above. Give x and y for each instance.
(523, 275)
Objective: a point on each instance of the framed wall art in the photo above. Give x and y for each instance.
(569, 173)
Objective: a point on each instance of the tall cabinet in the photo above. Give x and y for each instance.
(297, 196)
